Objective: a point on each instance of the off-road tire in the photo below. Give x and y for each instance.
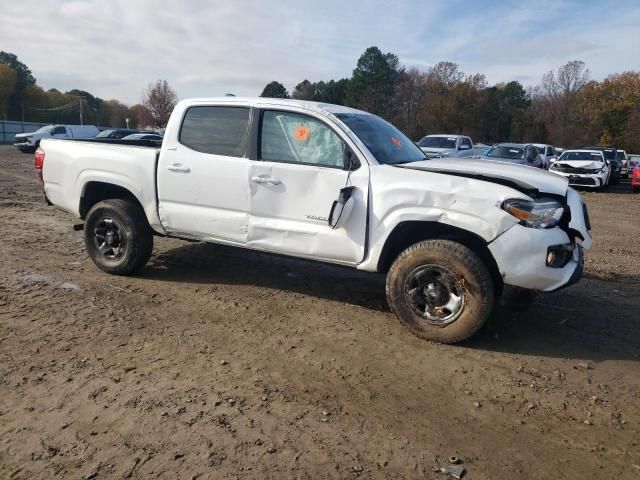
(466, 266)
(136, 229)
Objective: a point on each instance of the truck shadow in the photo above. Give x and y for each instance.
(594, 320)
(205, 263)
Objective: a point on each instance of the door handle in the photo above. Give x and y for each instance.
(271, 180)
(178, 168)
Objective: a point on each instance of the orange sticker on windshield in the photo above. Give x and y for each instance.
(396, 141)
(301, 134)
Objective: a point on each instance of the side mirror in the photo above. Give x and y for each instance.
(342, 208)
(350, 159)
(51, 133)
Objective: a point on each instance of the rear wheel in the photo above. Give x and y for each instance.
(440, 290)
(118, 237)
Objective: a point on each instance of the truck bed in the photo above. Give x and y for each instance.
(119, 141)
(70, 165)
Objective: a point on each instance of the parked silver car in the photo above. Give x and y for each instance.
(520, 153)
(547, 153)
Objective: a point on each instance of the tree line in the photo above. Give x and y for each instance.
(21, 98)
(567, 108)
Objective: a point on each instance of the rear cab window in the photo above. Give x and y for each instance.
(217, 130)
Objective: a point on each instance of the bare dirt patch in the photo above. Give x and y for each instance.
(222, 363)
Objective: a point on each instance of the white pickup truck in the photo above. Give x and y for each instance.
(444, 145)
(28, 142)
(332, 184)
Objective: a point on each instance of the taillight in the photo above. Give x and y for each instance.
(39, 162)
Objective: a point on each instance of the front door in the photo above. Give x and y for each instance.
(203, 190)
(293, 184)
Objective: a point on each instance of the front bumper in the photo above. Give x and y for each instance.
(24, 146)
(577, 273)
(589, 180)
(521, 252)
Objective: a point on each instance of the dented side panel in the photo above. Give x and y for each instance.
(400, 195)
(292, 216)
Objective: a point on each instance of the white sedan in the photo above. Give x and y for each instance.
(583, 168)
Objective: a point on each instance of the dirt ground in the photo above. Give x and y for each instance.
(222, 363)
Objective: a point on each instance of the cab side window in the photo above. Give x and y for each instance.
(294, 138)
(59, 130)
(216, 130)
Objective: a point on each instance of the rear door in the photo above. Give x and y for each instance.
(203, 188)
(297, 176)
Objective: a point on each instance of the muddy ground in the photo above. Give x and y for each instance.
(221, 363)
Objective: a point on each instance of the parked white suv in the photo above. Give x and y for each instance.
(28, 142)
(332, 184)
(443, 145)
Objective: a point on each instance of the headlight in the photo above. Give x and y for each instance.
(540, 213)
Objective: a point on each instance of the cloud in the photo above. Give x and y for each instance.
(114, 49)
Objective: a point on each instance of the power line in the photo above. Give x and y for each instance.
(67, 106)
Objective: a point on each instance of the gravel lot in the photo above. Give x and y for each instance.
(222, 363)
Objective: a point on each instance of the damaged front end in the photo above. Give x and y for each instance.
(543, 249)
(549, 257)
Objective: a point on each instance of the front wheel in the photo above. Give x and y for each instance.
(440, 290)
(118, 237)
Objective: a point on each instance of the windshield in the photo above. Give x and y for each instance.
(438, 142)
(388, 144)
(46, 129)
(593, 156)
(622, 155)
(502, 151)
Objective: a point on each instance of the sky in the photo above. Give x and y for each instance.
(114, 48)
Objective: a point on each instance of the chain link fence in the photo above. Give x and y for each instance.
(9, 128)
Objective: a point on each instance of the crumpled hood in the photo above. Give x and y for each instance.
(522, 177)
(589, 164)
